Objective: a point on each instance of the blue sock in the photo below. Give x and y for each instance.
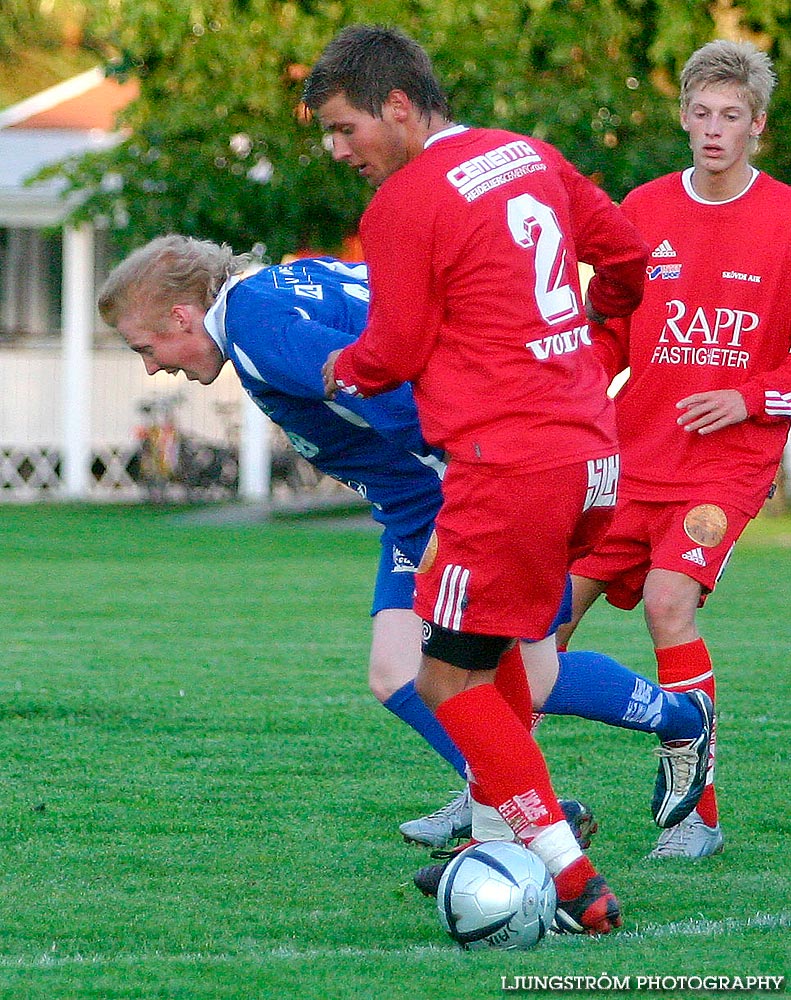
(594, 686)
(407, 704)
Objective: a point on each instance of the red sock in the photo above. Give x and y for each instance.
(511, 681)
(571, 881)
(505, 759)
(683, 668)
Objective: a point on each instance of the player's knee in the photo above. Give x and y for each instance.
(669, 610)
(386, 677)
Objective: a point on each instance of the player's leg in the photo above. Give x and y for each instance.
(597, 687)
(487, 577)
(585, 593)
(683, 664)
(395, 649)
(486, 823)
(619, 564)
(594, 686)
(512, 772)
(393, 664)
(693, 542)
(395, 657)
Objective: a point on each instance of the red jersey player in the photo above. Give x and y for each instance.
(472, 242)
(703, 418)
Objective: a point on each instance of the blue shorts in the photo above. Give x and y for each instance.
(395, 580)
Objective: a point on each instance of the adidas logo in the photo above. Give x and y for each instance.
(664, 250)
(696, 556)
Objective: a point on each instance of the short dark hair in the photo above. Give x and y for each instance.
(365, 63)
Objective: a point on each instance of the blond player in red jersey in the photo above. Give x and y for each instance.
(704, 415)
(472, 242)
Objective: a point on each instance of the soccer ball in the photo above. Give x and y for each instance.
(496, 895)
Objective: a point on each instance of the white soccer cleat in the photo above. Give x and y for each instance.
(691, 838)
(452, 822)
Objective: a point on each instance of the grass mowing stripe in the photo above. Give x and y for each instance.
(684, 928)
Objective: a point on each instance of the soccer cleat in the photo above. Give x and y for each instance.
(594, 911)
(452, 822)
(581, 820)
(428, 877)
(578, 816)
(691, 838)
(681, 776)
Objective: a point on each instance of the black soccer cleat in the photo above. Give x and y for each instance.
(681, 776)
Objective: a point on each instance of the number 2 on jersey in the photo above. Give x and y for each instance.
(534, 226)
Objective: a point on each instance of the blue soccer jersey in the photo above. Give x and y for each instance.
(277, 326)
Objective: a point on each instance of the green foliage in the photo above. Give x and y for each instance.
(201, 798)
(23, 22)
(221, 83)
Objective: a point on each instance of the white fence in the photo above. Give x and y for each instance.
(32, 432)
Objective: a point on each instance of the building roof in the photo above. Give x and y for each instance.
(23, 153)
(71, 118)
(87, 101)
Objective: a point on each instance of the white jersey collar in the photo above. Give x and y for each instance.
(446, 133)
(214, 320)
(686, 180)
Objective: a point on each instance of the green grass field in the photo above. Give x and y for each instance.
(200, 799)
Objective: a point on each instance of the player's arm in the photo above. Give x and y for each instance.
(289, 358)
(611, 244)
(403, 317)
(765, 398)
(283, 348)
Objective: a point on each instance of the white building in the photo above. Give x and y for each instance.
(74, 397)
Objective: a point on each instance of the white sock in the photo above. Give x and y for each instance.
(555, 845)
(488, 824)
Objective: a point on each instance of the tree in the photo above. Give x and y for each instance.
(217, 146)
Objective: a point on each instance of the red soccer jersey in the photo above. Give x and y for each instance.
(472, 250)
(716, 314)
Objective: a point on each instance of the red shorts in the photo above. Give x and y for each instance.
(694, 537)
(504, 539)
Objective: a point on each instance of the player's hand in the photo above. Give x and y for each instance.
(331, 387)
(706, 412)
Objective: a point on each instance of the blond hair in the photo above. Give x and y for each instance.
(169, 270)
(723, 62)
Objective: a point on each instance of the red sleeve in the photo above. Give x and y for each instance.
(767, 395)
(609, 242)
(402, 327)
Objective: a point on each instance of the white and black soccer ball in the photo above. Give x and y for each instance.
(496, 895)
